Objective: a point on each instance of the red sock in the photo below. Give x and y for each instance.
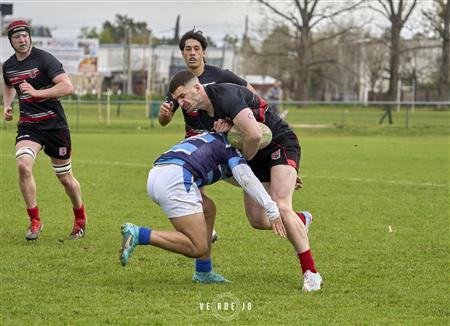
(33, 213)
(306, 261)
(301, 216)
(79, 213)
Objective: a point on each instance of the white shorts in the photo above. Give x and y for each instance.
(173, 188)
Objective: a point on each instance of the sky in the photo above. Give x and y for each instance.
(215, 17)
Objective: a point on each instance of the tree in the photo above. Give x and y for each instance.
(121, 28)
(88, 32)
(397, 16)
(303, 17)
(274, 58)
(375, 59)
(439, 19)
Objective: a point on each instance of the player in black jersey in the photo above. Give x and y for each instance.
(39, 80)
(193, 49)
(275, 165)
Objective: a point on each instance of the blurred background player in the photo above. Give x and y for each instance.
(276, 165)
(275, 97)
(40, 80)
(174, 182)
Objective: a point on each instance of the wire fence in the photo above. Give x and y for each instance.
(92, 115)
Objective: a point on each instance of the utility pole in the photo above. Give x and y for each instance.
(129, 71)
(148, 91)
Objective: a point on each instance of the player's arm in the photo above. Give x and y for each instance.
(254, 188)
(250, 131)
(62, 87)
(9, 93)
(165, 113)
(251, 88)
(228, 76)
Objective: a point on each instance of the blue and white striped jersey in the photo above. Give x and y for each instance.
(209, 157)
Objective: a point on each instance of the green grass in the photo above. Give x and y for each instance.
(361, 181)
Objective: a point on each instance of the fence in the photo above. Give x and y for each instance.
(138, 114)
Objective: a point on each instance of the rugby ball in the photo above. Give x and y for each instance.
(235, 138)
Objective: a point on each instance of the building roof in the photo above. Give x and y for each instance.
(259, 79)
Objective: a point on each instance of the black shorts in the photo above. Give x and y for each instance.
(55, 142)
(285, 150)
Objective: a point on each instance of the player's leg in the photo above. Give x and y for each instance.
(172, 187)
(63, 171)
(58, 147)
(210, 211)
(26, 154)
(189, 239)
(261, 166)
(282, 187)
(255, 213)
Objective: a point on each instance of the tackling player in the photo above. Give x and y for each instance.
(174, 182)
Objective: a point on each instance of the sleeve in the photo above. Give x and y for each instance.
(5, 77)
(228, 76)
(254, 188)
(53, 66)
(231, 103)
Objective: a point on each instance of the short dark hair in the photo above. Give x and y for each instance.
(181, 78)
(196, 35)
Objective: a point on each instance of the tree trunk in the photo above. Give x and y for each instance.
(304, 54)
(444, 82)
(394, 60)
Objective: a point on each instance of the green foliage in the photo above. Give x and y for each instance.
(89, 32)
(123, 27)
(379, 195)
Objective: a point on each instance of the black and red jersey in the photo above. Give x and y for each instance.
(38, 69)
(229, 99)
(198, 121)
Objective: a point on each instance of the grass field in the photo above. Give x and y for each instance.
(380, 238)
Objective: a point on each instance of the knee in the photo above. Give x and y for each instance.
(285, 209)
(67, 180)
(199, 249)
(259, 222)
(209, 208)
(24, 168)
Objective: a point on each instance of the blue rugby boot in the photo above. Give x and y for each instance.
(209, 277)
(130, 239)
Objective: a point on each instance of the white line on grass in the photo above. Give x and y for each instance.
(397, 183)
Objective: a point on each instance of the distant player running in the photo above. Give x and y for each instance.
(40, 80)
(174, 182)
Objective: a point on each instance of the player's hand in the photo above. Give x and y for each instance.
(165, 110)
(298, 183)
(278, 227)
(223, 125)
(7, 113)
(27, 89)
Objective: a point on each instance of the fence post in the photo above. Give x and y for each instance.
(108, 107)
(406, 117)
(99, 107)
(78, 111)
